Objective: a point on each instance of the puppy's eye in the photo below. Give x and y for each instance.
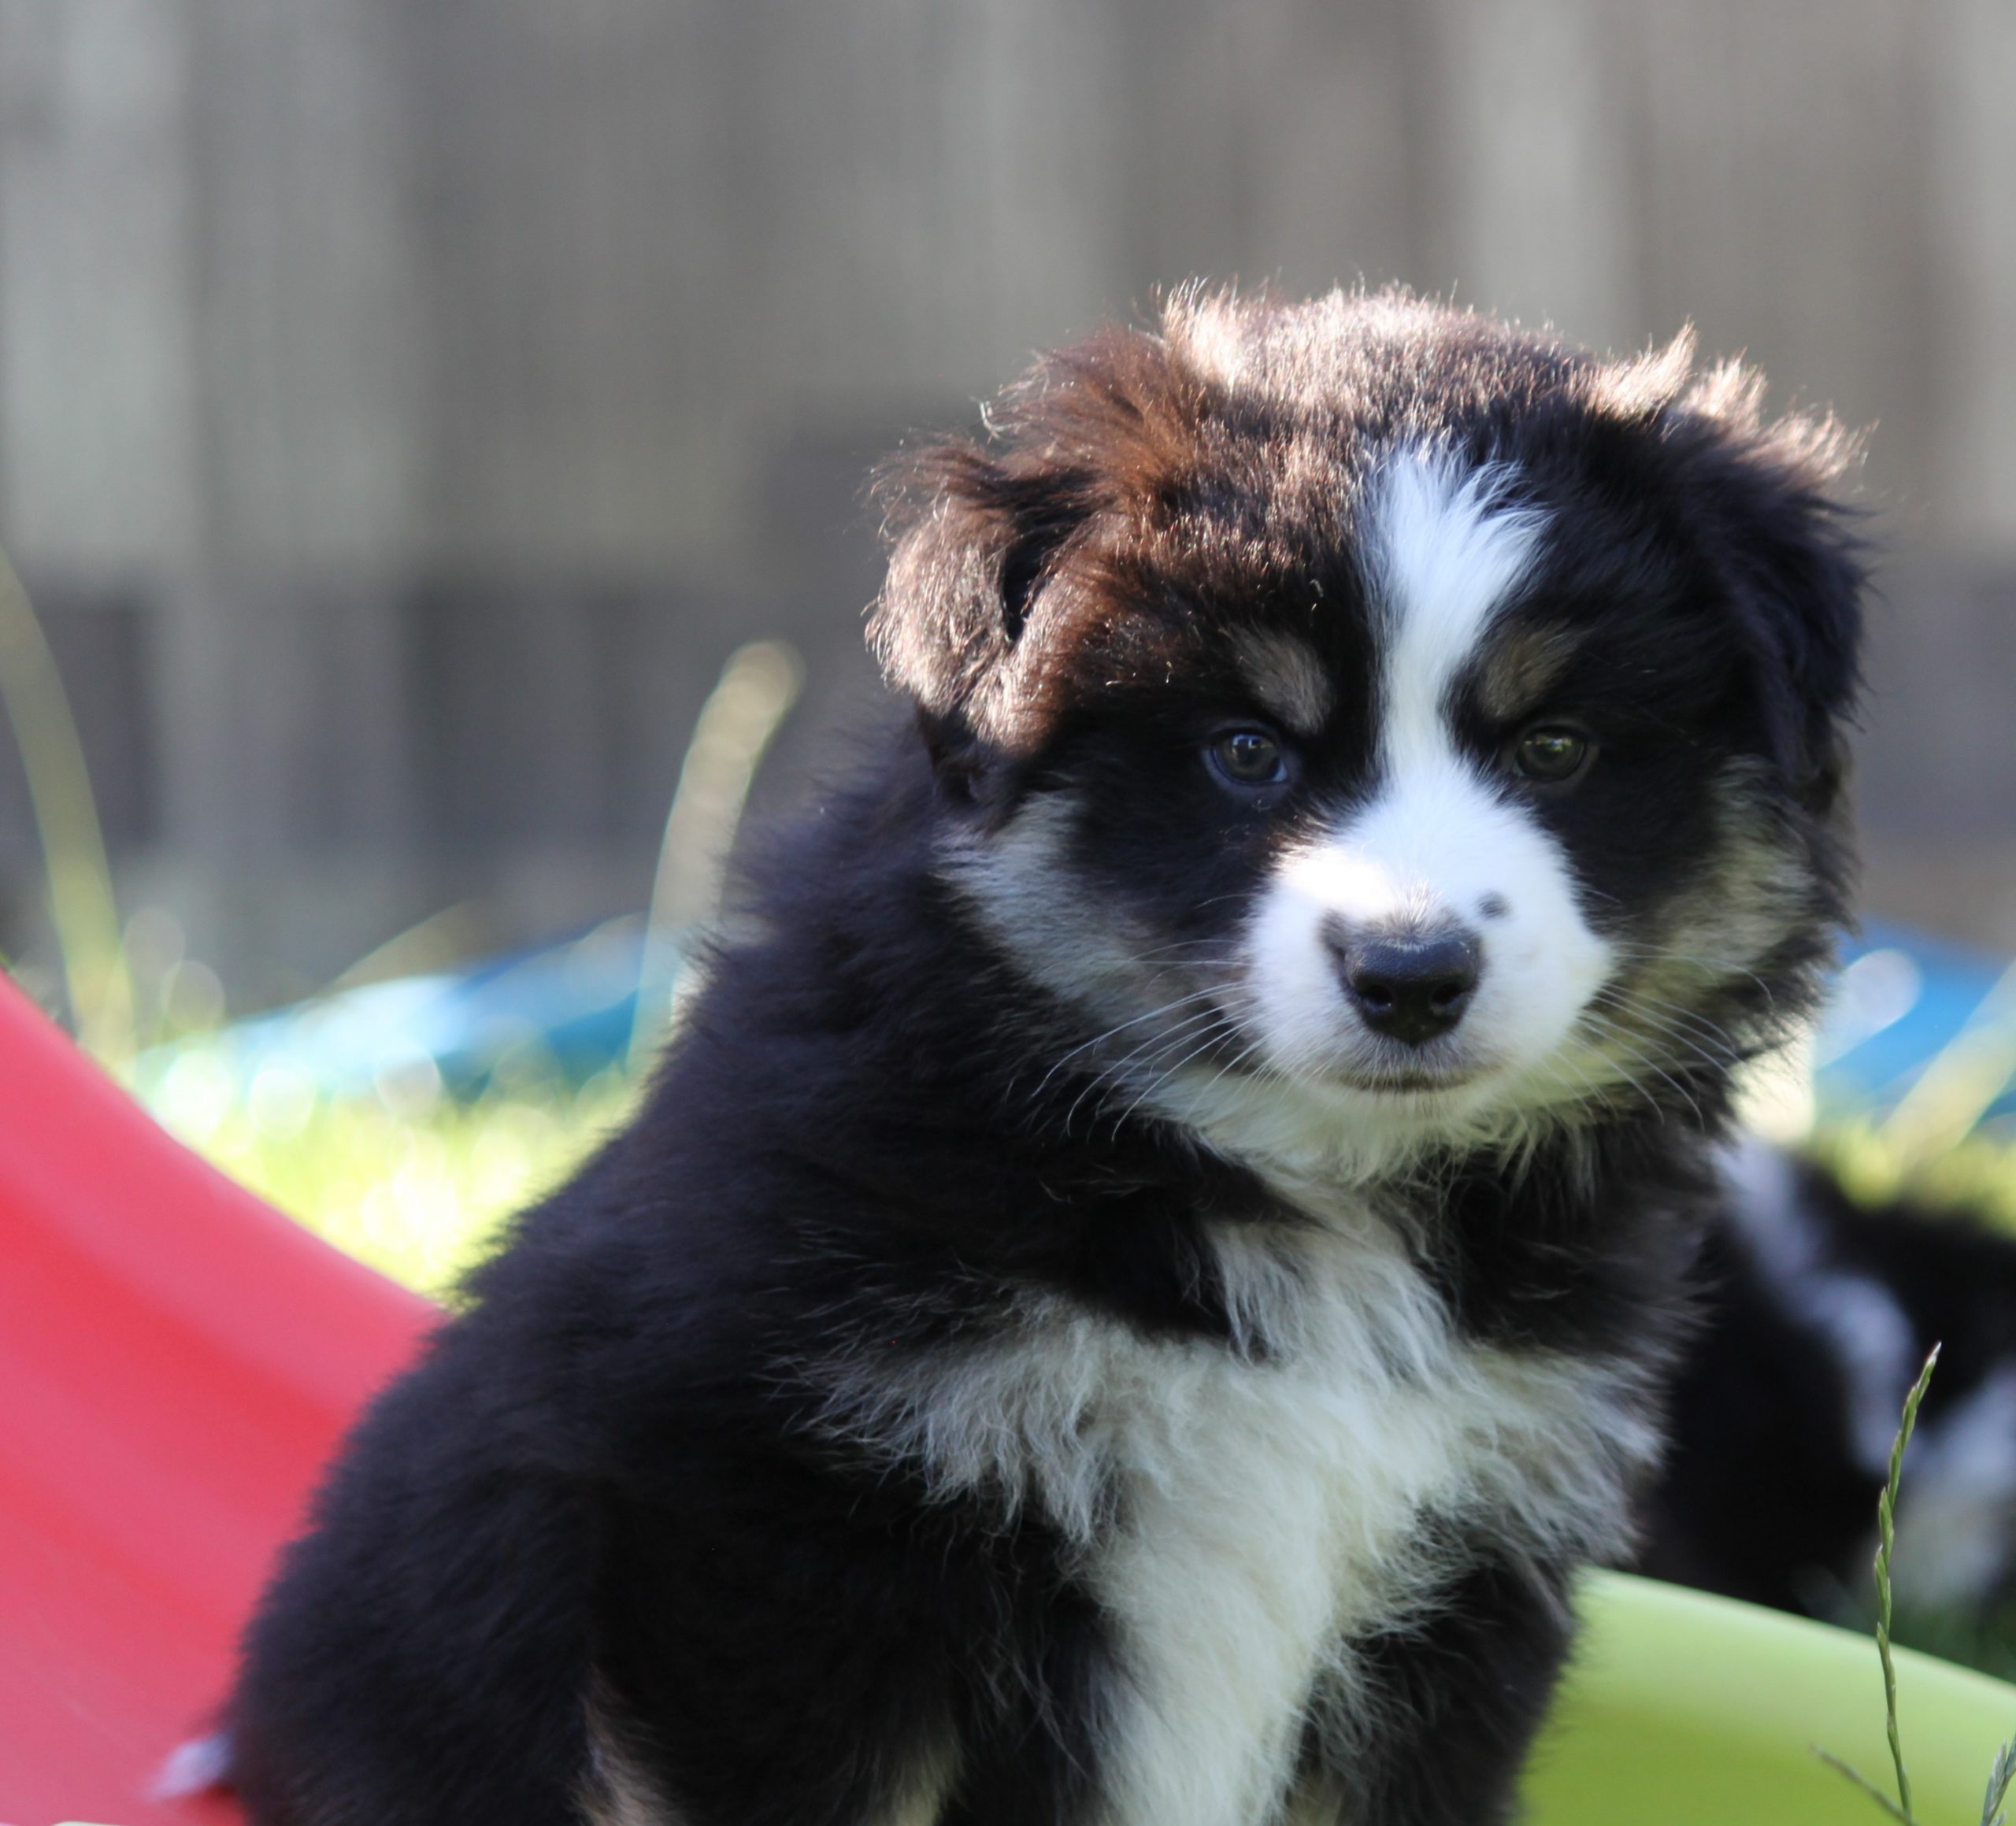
(1248, 757)
(1552, 753)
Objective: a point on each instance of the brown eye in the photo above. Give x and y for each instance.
(1552, 753)
(1249, 757)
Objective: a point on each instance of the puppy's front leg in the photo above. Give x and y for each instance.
(1448, 1709)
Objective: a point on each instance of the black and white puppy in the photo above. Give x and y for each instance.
(1139, 1282)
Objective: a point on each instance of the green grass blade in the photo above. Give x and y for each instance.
(1863, 1782)
(81, 906)
(1886, 1530)
(1886, 1522)
(1999, 1779)
(743, 712)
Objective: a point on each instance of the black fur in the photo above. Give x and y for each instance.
(608, 1500)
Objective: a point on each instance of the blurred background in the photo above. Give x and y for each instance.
(407, 406)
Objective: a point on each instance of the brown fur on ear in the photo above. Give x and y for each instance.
(1094, 439)
(1812, 450)
(974, 533)
(1644, 386)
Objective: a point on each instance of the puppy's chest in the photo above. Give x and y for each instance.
(1291, 1481)
(1242, 1517)
(1264, 1514)
(1258, 1525)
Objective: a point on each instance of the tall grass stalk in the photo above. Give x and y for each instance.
(1999, 1779)
(81, 904)
(743, 714)
(1886, 1548)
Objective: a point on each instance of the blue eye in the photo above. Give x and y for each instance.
(1248, 757)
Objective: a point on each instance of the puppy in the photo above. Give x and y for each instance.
(1139, 1282)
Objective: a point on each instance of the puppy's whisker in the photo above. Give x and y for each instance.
(1617, 1038)
(1099, 1039)
(1111, 1071)
(1209, 1039)
(1702, 1039)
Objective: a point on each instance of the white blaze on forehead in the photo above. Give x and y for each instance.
(1444, 550)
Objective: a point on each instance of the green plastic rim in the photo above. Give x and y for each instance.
(1686, 1710)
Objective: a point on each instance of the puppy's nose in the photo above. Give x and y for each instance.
(1410, 990)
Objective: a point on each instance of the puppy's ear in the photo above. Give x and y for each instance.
(975, 537)
(1798, 561)
(984, 534)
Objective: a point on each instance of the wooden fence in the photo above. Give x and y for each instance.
(405, 404)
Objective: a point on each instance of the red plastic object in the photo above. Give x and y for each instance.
(176, 1359)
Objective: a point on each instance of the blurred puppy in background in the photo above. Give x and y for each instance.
(1817, 1315)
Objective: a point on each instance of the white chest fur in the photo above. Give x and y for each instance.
(1242, 1515)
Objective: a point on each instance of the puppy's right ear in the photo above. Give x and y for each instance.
(974, 621)
(975, 537)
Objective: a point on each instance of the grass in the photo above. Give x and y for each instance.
(97, 987)
(1886, 1525)
(2004, 1769)
(416, 1184)
(1974, 1176)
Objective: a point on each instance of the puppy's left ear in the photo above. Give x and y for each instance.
(1798, 563)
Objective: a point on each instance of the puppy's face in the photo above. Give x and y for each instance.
(1378, 728)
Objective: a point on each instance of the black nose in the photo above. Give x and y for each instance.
(1410, 990)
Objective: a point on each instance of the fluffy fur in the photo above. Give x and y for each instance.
(1146, 1272)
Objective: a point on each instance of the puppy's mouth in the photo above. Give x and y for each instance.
(1448, 1066)
(1408, 1078)
(1413, 1083)
(1457, 1069)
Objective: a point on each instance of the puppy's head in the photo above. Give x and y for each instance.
(1377, 725)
